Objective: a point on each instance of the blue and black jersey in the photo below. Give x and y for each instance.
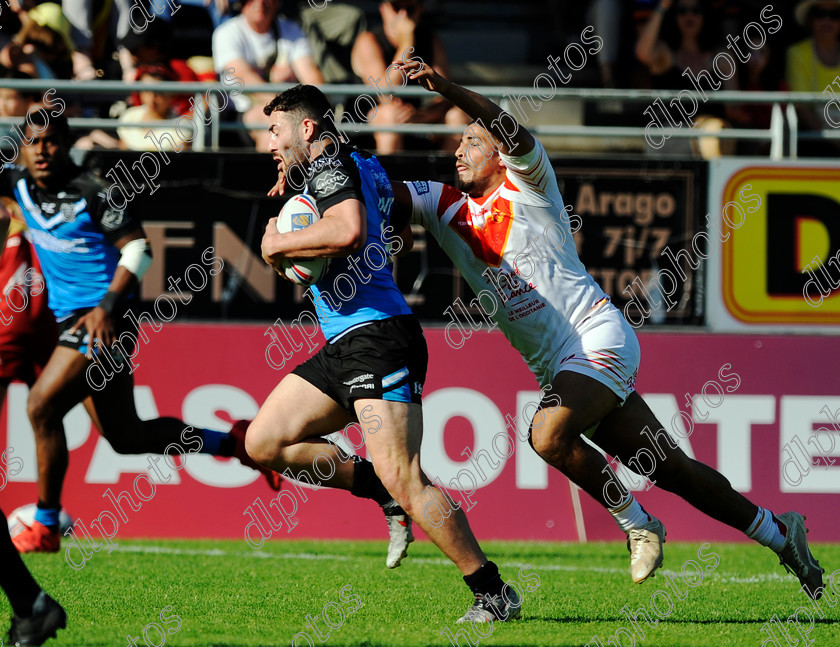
(358, 288)
(74, 232)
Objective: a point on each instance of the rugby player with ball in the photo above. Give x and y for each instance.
(373, 367)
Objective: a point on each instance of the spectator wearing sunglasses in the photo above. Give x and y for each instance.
(680, 35)
(677, 36)
(813, 64)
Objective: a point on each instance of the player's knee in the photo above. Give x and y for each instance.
(41, 411)
(398, 485)
(123, 443)
(257, 445)
(551, 445)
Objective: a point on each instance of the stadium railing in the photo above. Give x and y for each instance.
(783, 115)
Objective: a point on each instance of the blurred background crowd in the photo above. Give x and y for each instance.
(645, 44)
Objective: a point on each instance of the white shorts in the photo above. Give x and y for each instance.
(605, 349)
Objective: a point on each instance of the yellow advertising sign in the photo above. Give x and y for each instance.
(781, 260)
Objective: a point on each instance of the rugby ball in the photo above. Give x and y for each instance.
(25, 515)
(300, 212)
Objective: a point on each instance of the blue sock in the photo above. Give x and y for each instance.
(216, 443)
(765, 531)
(47, 516)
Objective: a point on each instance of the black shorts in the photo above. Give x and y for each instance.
(78, 340)
(383, 360)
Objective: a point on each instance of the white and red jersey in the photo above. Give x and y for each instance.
(517, 245)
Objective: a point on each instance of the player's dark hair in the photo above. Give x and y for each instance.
(477, 122)
(41, 118)
(304, 102)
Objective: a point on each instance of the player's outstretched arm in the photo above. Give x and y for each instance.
(515, 139)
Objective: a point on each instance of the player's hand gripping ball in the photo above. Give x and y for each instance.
(300, 212)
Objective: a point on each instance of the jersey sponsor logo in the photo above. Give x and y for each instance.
(379, 175)
(385, 205)
(112, 219)
(45, 241)
(508, 284)
(329, 182)
(324, 162)
(68, 211)
(18, 278)
(70, 337)
(360, 378)
(421, 187)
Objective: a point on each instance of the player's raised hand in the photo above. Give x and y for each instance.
(424, 74)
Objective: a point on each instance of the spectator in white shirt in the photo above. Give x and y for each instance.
(262, 48)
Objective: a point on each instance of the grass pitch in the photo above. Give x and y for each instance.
(224, 594)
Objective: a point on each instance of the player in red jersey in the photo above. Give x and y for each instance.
(25, 344)
(27, 327)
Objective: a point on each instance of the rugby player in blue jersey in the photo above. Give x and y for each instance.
(373, 367)
(92, 257)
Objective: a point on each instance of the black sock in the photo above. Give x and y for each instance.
(15, 579)
(486, 580)
(366, 484)
(226, 446)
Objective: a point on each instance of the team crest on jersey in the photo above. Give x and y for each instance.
(68, 212)
(323, 162)
(112, 218)
(329, 182)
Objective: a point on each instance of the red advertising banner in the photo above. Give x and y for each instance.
(763, 410)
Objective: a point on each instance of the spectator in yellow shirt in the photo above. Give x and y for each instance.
(814, 64)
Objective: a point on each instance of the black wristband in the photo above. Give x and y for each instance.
(109, 301)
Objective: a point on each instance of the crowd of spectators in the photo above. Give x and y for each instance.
(646, 44)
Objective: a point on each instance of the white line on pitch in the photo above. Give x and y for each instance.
(259, 554)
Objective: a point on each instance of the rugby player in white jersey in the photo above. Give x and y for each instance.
(578, 345)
